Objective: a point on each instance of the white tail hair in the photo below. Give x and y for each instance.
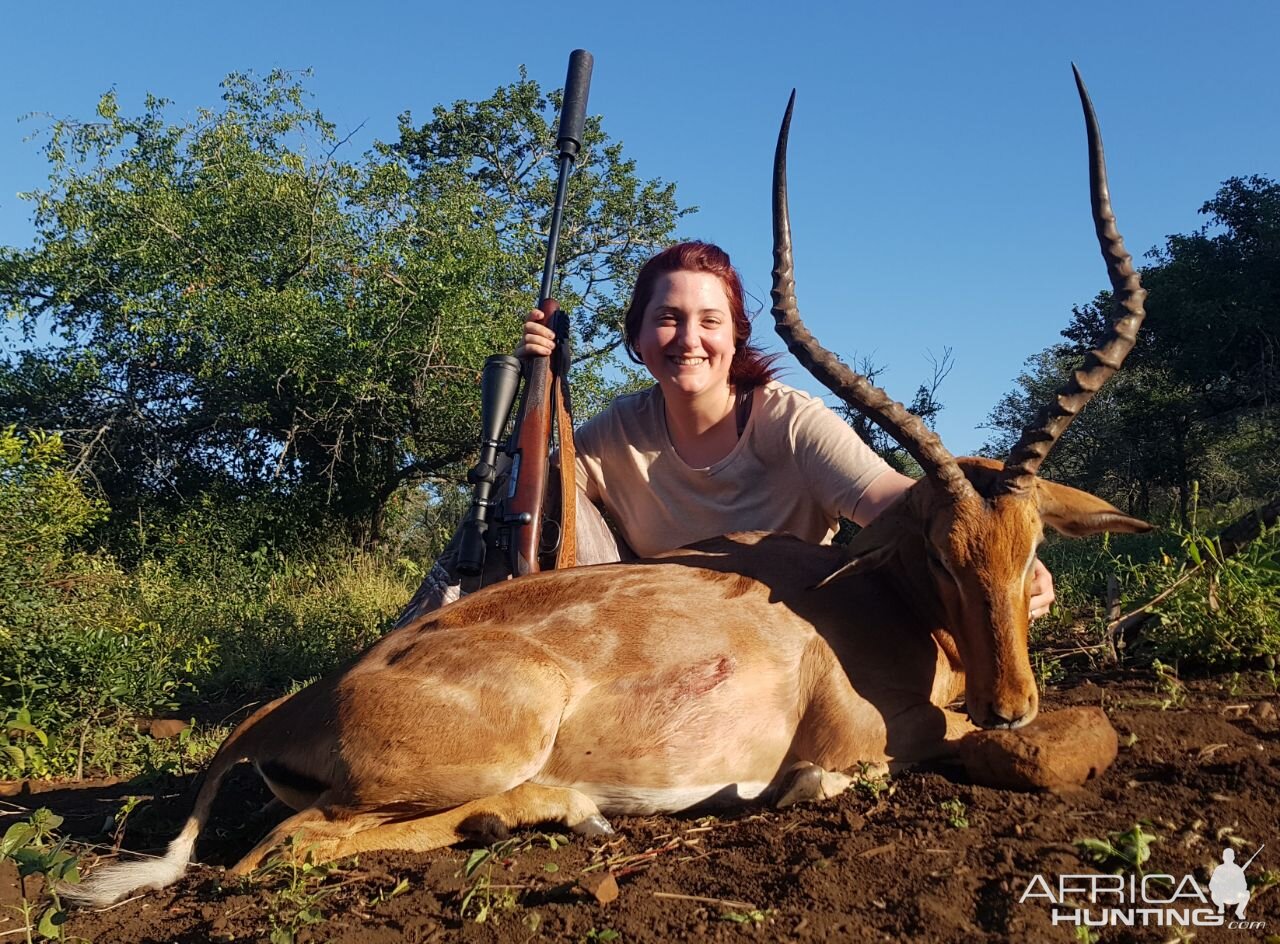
(112, 883)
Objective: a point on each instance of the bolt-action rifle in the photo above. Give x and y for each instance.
(516, 522)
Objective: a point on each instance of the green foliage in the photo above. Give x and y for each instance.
(265, 356)
(213, 604)
(1128, 851)
(42, 512)
(956, 813)
(238, 310)
(1224, 616)
(484, 900)
(1221, 611)
(299, 891)
(33, 847)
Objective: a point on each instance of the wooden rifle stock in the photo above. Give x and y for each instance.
(532, 455)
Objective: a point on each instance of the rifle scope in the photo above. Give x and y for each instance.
(498, 386)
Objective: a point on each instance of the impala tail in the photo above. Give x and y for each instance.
(114, 882)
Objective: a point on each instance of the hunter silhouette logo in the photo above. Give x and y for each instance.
(1228, 886)
(1094, 900)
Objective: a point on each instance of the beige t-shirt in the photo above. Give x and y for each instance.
(797, 467)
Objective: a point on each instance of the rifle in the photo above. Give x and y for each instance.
(516, 524)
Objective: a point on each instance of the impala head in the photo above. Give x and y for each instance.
(979, 521)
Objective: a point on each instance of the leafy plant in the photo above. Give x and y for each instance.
(1169, 685)
(1221, 613)
(31, 844)
(871, 781)
(484, 900)
(298, 902)
(1120, 852)
(956, 812)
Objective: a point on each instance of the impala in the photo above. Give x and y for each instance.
(751, 666)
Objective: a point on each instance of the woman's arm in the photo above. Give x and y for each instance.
(886, 489)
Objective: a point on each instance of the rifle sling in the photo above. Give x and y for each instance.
(567, 555)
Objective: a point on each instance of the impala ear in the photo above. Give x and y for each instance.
(1077, 514)
(860, 563)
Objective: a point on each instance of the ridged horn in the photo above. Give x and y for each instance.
(1099, 364)
(851, 387)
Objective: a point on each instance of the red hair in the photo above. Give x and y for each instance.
(750, 367)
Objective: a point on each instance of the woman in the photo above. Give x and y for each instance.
(718, 445)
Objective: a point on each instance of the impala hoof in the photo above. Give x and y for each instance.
(807, 781)
(594, 825)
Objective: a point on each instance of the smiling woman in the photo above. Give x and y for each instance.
(717, 444)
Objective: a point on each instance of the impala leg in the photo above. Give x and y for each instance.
(336, 837)
(485, 819)
(924, 733)
(303, 823)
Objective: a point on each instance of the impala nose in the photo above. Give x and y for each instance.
(1011, 713)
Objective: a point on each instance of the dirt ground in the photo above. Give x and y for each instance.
(925, 858)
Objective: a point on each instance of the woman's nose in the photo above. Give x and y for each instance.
(687, 337)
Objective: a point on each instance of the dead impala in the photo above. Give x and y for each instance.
(749, 666)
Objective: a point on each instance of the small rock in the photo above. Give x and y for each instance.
(164, 728)
(854, 820)
(1057, 751)
(1264, 712)
(602, 885)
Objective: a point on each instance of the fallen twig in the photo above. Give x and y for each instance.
(719, 902)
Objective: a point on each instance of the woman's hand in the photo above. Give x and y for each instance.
(538, 340)
(1042, 595)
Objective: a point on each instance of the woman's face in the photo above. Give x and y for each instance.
(686, 334)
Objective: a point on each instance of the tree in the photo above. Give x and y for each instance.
(1197, 399)
(925, 404)
(235, 307)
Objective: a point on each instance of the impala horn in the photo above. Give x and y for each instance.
(851, 387)
(1104, 360)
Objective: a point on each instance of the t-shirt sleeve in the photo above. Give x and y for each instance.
(834, 462)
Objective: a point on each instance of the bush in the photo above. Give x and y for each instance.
(1224, 616)
(220, 600)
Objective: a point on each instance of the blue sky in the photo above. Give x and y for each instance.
(939, 191)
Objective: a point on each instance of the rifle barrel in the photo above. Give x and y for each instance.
(573, 118)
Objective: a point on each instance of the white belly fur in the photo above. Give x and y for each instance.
(639, 801)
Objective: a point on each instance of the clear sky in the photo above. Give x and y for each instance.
(939, 189)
